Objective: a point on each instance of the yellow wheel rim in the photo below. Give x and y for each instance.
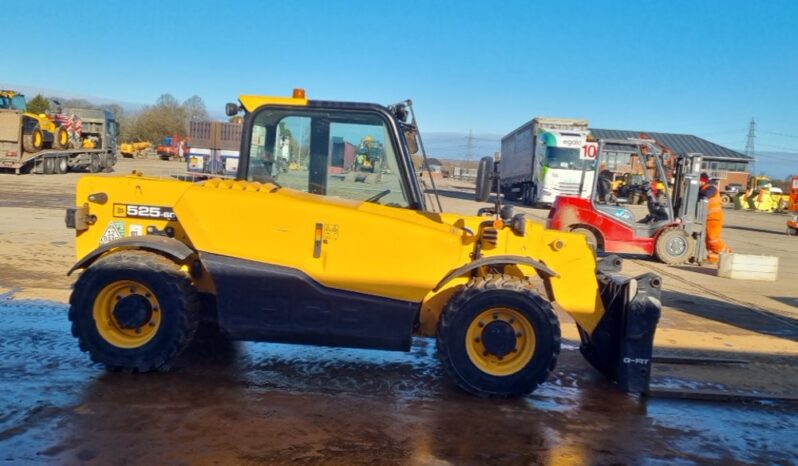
(37, 139)
(500, 341)
(127, 314)
(63, 137)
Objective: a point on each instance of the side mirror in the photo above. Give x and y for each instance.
(412, 142)
(484, 179)
(231, 109)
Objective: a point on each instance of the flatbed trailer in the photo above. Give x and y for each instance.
(58, 161)
(99, 134)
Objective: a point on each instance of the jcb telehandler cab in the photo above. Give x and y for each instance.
(314, 256)
(671, 227)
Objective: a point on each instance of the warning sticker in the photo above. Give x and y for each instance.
(115, 231)
(330, 231)
(136, 230)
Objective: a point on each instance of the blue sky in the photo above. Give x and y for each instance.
(700, 67)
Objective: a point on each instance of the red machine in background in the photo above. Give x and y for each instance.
(792, 224)
(673, 229)
(172, 147)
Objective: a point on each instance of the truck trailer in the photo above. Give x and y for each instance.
(94, 149)
(214, 147)
(545, 158)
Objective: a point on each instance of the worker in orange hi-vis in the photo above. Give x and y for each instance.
(710, 192)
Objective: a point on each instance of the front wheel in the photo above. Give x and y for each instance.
(33, 141)
(674, 246)
(134, 311)
(497, 337)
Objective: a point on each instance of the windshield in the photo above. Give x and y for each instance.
(13, 103)
(565, 157)
(344, 154)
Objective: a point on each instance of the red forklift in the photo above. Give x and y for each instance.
(671, 226)
(792, 224)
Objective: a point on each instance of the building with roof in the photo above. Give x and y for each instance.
(723, 164)
(434, 165)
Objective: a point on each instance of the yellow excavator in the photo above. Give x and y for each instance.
(38, 131)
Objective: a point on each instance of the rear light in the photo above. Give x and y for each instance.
(12, 153)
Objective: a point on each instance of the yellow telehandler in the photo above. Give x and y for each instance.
(38, 131)
(278, 256)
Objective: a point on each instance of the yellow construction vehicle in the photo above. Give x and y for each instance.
(134, 149)
(38, 131)
(284, 261)
(761, 195)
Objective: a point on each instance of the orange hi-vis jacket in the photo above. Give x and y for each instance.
(715, 207)
(715, 245)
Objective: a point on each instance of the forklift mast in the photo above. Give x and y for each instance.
(691, 210)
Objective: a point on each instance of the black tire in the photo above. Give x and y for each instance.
(725, 199)
(60, 138)
(48, 165)
(61, 165)
(528, 195)
(486, 295)
(33, 141)
(674, 246)
(178, 311)
(589, 235)
(94, 165)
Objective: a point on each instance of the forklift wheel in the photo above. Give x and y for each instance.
(497, 337)
(589, 235)
(674, 246)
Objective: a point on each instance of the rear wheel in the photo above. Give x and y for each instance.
(33, 141)
(674, 246)
(134, 311)
(497, 337)
(60, 138)
(94, 165)
(61, 165)
(725, 199)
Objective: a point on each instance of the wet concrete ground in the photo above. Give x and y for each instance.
(256, 403)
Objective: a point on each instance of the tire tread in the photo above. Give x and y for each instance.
(477, 285)
(180, 285)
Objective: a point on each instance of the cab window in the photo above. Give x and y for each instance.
(348, 155)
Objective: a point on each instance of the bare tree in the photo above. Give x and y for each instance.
(195, 108)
